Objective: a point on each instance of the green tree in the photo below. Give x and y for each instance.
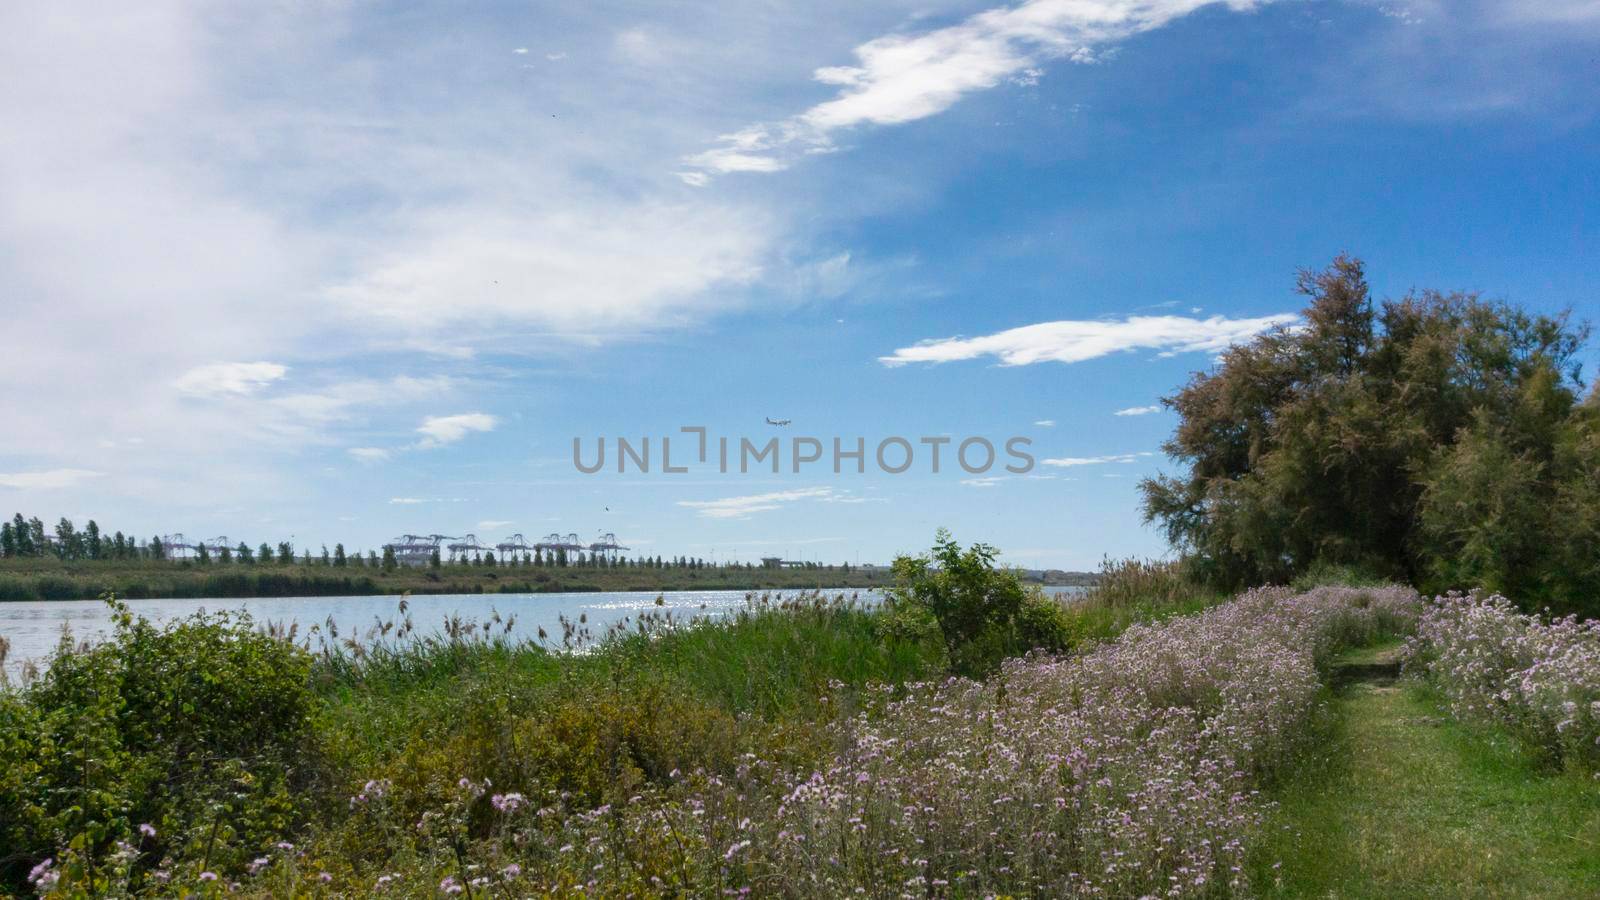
(8, 540)
(339, 559)
(974, 603)
(390, 563)
(93, 546)
(21, 536)
(243, 553)
(1420, 439)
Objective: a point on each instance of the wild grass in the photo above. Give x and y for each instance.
(1399, 800)
(799, 746)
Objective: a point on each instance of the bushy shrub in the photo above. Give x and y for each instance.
(974, 603)
(1043, 623)
(1494, 665)
(196, 731)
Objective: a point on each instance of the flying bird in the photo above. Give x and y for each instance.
(772, 421)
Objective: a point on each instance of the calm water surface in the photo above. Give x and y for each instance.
(34, 628)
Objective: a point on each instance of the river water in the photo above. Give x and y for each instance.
(35, 628)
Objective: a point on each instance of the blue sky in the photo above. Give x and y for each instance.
(346, 270)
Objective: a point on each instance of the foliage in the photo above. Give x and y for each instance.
(199, 731)
(1434, 439)
(982, 612)
(1539, 679)
(1132, 769)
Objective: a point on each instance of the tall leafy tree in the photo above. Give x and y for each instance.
(1428, 438)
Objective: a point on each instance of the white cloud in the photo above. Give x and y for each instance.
(1046, 423)
(368, 454)
(1075, 341)
(900, 78)
(236, 378)
(494, 524)
(1137, 411)
(440, 430)
(48, 479)
(586, 276)
(1070, 461)
(742, 507)
(406, 501)
(341, 400)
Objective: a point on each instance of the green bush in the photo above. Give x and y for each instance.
(200, 729)
(1043, 623)
(982, 612)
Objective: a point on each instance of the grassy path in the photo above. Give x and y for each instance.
(1402, 802)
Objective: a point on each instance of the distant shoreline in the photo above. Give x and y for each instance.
(23, 580)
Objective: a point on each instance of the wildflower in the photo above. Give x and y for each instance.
(40, 870)
(511, 871)
(147, 830)
(450, 886)
(324, 877)
(208, 876)
(257, 864)
(508, 803)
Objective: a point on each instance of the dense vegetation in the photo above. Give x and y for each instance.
(1437, 440)
(709, 758)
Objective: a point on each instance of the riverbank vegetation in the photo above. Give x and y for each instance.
(802, 742)
(1440, 440)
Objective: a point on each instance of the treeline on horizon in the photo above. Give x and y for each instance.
(1441, 440)
(25, 538)
(77, 564)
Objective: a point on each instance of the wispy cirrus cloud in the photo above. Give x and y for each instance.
(1137, 411)
(1071, 341)
(437, 431)
(1065, 462)
(743, 506)
(901, 78)
(47, 479)
(229, 378)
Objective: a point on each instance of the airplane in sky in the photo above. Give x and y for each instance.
(772, 421)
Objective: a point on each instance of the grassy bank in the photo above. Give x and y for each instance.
(376, 759)
(1402, 801)
(48, 578)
